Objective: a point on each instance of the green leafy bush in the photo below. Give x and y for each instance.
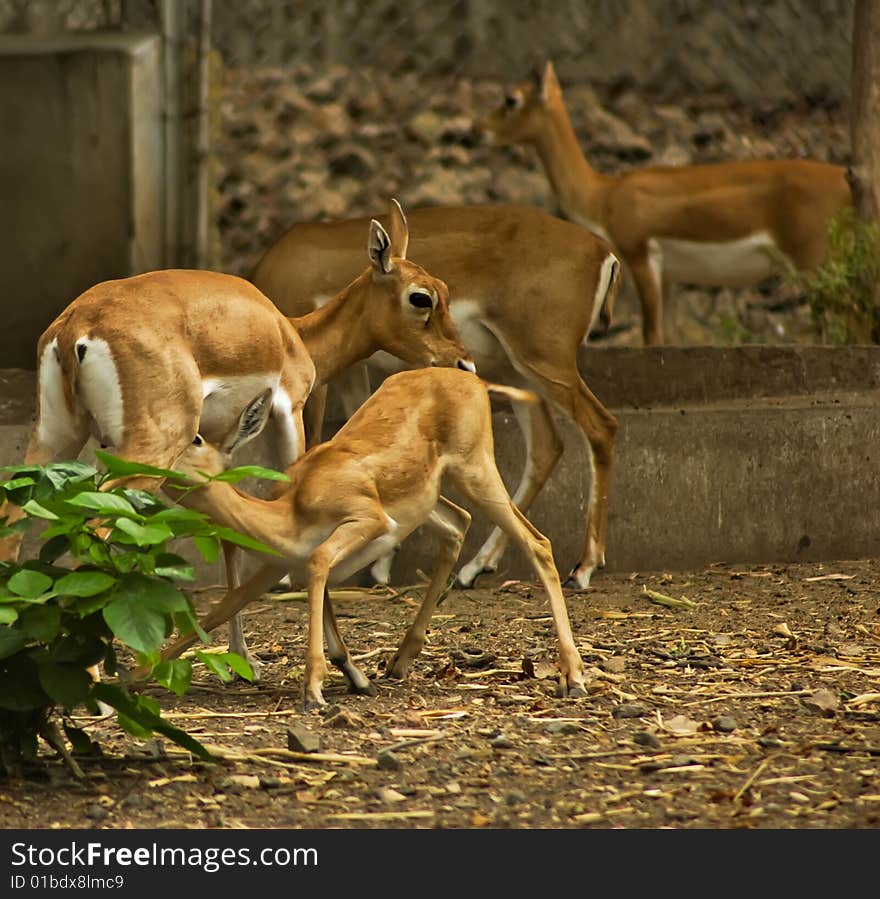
(842, 293)
(57, 620)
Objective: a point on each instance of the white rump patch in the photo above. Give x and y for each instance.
(57, 425)
(606, 272)
(99, 389)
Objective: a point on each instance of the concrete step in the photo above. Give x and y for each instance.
(746, 454)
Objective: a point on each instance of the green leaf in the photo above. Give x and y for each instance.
(66, 684)
(175, 674)
(144, 535)
(247, 542)
(42, 623)
(234, 475)
(20, 689)
(184, 572)
(143, 712)
(239, 665)
(54, 548)
(133, 727)
(17, 482)
(65, 474)
(106, 503)
(32, 507)
(79, 649)
(30, 584)
(7, 616)
(209, 547)
(214, 662)
(84, 583)
(119, 468)
(80, 741)
(135, 625)
(11, 641)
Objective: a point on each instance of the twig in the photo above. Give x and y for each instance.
(663, 600)
(841, 747)
(752, 777)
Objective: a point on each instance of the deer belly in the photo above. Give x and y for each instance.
(731, 263)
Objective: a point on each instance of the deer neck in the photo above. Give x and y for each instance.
(339, 333)
(579, 188)
(267, 521)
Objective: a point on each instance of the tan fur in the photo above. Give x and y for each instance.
(379, 478)
(790, 200)
(532, 281)
(169, 331)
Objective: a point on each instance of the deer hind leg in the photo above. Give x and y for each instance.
(646, 269)
(482, 484)
(352, 535)
(599, 427)
(59, 433)
(450, 524)
(337, 649)
(543, 450)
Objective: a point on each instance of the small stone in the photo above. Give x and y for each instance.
(96, 812)
(240, 781)
(301, 739)
(646, 738)
(388, 761)
(388, 794)
(269, 782)
(724, 724)
(769, 742)
(629, 710)
(514, 797)
(345, 718)
(501, 742)
(614, 664)
(563, 727)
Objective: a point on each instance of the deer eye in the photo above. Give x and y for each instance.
(511, 102)
(421, 300)
(197, 440)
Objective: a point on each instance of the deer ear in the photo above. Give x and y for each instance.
(399, 231)
(379, 249)
(251, 422)
(549, 82)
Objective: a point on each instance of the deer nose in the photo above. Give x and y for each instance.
(466, 365)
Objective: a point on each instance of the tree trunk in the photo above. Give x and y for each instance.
(864, 174)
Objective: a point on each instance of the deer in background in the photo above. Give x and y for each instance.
(526, 289)
(728, 224)
(351, 499)
(142, 364)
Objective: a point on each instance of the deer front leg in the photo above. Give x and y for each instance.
(450, 524)
(349, 537)
(358, 682)
(232, 558)
(543, 450)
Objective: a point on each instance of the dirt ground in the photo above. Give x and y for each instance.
(755, 704)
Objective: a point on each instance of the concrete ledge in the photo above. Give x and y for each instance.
(752, 454)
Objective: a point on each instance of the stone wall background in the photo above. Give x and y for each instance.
(327, 109)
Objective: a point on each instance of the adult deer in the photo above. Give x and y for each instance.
(352, 498)
(526, 289)
(145, 363)
(728, 224)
